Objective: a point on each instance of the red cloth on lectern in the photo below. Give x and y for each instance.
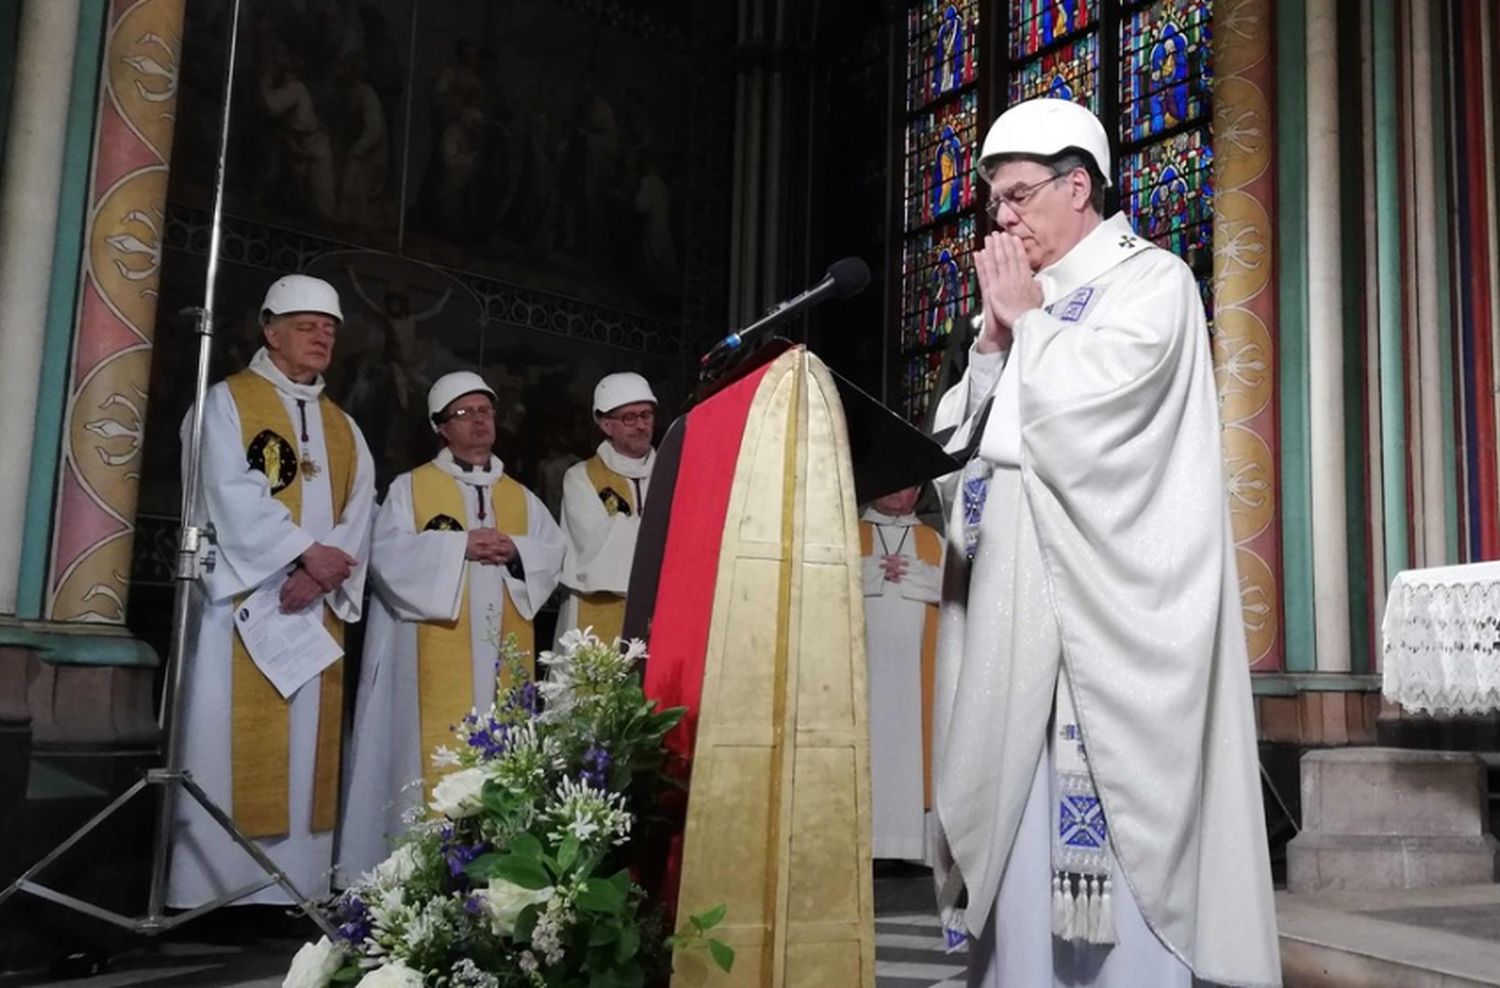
(690, 560)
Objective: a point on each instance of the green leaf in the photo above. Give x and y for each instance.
(603, 933)
(525, 872)
(482, 868)
(621, 881)
(526, 846)
(629, 945)
(568, 853)
(526, 923)
(723, 954)
(349, 974)
(710, 918)
(598, 896)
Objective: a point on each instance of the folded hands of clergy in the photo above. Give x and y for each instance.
(321, 569)
(489, 547)
(1007, 287)
(894, 566)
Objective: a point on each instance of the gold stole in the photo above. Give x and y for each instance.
(260, 720)
(603, 611)
(445, 651)
(930, 551)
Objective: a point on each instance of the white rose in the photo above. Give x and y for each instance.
(314, 966)
(504, 900)
(457, 795)
(395, 975)
(398, 868)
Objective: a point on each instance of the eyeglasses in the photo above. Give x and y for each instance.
(477, 413)
(634, 418)
(1016, 200)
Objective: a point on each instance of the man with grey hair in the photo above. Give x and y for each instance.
(1099, 814)
(288, 485)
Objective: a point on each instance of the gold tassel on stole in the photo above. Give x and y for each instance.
(445, 679)
(260, 720)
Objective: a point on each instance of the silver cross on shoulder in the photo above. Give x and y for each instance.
(1127, 241)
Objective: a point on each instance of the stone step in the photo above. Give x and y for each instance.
(1446, 938)
(1394, 792)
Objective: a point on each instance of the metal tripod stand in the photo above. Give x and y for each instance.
(194, 556)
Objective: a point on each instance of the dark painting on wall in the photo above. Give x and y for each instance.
(542, 142)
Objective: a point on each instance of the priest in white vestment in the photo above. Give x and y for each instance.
(288, 485)
(903, 578)
(601, 507)
(463, 557)
(1098, 802)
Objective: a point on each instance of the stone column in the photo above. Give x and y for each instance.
(29, 190)
(1325, 348)
(106, 406)
(1245, 308)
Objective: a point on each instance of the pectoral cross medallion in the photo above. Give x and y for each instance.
(309, 467)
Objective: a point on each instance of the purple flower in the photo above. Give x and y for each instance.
(352, 917)
(472, 905)
(525, 697)
(492, 739)
(458, 856)
(596, 762)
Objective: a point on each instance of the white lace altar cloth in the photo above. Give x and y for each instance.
(1441, 651)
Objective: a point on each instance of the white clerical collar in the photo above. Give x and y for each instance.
(486, 476)
(626, 466)
(262, 364)
(881, 518)
(1109, 243)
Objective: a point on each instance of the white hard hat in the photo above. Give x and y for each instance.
(614, 390)
(451, 387)
(300, 293)
(1045, 127)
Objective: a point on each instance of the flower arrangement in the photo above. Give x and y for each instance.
(517, 874)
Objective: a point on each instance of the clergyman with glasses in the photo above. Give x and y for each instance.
(1094, 752)
(601, 506)
(462, 558)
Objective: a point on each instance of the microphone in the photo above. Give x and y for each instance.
(845, 277)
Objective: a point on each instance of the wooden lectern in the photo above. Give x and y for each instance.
(747, 587)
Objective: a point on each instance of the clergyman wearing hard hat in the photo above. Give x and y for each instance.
(1096, 777)
(601, 507)
(463, 557)
(288, 486)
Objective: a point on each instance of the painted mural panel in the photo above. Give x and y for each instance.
(543, 143)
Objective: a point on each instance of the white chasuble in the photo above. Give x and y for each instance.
(601, 517)
(436, 620)
(259, 540)
(900, 640)
(1090, 547)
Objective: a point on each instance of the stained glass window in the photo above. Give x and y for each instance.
(1164, 67)
(941, 49)
(1037, 24)
(939, 160)
(1167, 189)
(1069, 72)
(939, 210)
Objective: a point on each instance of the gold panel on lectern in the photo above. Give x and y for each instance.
(778, 822)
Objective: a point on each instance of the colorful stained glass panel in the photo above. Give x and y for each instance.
(940, 159)
(941, 49)
(1070, 72)
(938, 283)
(1165, 76)
(1035, 24)
(1167, 189)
